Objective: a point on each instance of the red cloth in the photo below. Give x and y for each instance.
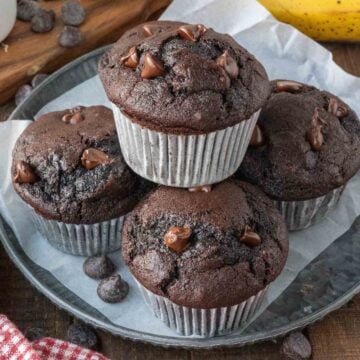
(14, 346)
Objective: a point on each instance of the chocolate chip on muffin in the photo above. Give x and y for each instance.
(192, 247)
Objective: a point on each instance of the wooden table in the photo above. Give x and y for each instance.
(336, 337)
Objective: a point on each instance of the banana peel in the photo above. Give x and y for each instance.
(324, 20)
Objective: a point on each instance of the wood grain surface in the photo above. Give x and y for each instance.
(29, 53)
(334, 338)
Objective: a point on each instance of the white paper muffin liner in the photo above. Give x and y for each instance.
(302, 214)
(183, 160)
(204, 323)
(81, 239)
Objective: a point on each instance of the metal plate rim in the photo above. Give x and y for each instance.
(163, 341)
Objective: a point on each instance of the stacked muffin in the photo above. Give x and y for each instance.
(186, 100)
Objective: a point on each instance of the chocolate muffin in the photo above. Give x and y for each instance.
(69, 168)
(171, 81)
(306, 146)
(189, 248)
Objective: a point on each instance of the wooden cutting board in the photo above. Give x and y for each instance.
(29, 53)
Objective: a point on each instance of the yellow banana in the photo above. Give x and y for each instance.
(326, 20)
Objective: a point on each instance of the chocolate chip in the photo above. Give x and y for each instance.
(257, 137)
(205, 188)
(98, 267)
(153, 67)
(34, 333)
(150, 30)
(43, 21)
(26, 9)
(38, 79)
(72, 13)
(113, 289)
(229, 64)
(250, 238)
(131, 59)
(70, 37)
(296, 347)
(92, 157)
(73, 118)
(83, 335)
(177, 238)
(24, 173)
(289, 86)
(191, 32)
(315, 135)
(23, 92)
(337, 108)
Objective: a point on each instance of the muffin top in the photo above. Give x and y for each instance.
(205, 249)
(68, 166)
(306, 144)
(180, 78)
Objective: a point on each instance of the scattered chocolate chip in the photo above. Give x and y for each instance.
(205, 188)
(92, 157)
(70, 37)
(250, 238)
(153, 67)
(72, 118)
(83, 335)
(98, 267)
(24, 173)
(72, 13)
(257, 137)
(26, 9)
(35, 333)
(296, 347)
(23, 92)
(289, 86)
(229, 64)
(315, 135)
(150, 30)
(337, 108)
(191, 32)
(38, 79)
(113, 289)
(43, 21)
(131, 59)
(177, 238)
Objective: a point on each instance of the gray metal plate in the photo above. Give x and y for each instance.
(327, 283)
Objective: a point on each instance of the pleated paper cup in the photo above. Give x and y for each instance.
(302, 214)
(204, 323)
(81, 239)
(183, 160)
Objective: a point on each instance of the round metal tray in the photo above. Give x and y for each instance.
(327, 283)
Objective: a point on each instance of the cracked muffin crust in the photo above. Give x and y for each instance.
(68, 166)
(183, 79)
(310, 143)
(218, 266)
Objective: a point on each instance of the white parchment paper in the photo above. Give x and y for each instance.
(285, 53)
